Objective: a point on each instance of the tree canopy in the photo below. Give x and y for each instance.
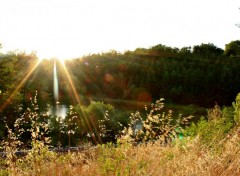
(232, 48)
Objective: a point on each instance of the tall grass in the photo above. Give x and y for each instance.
(187, 157)
(196, 154)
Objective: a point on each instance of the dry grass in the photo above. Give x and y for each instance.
(186, 157)
(215, 154)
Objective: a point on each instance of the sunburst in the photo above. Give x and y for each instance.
(76, 95)
(20, 85)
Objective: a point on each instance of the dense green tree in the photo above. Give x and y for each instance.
(232, 48)
(185, 51)
(207, 50)
(163, 48)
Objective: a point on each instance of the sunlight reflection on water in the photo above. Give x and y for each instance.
(58, 110)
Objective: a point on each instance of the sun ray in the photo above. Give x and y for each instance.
(55, 83)
(70, 81)
(20, 85)
(78, 99)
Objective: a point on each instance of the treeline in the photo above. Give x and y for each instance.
(202, 75)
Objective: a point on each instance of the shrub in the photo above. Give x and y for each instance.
(157, 126)
(236, 106)
(37, 128)
(97, 122)
(213, 128)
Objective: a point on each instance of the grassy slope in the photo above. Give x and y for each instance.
(186, 157)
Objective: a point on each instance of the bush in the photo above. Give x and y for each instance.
(157, 126)
(236, 106)
(213, 128)
(37, 127)
(97, 122)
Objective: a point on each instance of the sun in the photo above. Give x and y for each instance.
(62, 53)
(60, 59)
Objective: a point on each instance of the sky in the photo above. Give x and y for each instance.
(72, 28)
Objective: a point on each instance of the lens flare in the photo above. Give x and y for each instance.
(20, 85)
(79, 102)
(55, 83)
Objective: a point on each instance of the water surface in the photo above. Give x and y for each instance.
(59, 110)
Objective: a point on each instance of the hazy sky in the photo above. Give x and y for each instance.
(72, 28)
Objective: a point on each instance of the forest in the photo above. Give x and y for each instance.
(118, 83)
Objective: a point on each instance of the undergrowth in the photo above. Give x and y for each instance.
(208, 147)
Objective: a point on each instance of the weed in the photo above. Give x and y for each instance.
(157, 126)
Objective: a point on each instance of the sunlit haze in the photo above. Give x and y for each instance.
(72, 28)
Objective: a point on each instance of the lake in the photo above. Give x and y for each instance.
(59, 110)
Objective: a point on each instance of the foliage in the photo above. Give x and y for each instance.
(208, 50)
(16, 90)
(158, 126)
(10, 147)
(213, 129)
(110, 158)
(55, 131)
(184, 157)
(200, 76)
(232, 48)
(97, 122)
(147, 159)
(236, 106)
(39, 141)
